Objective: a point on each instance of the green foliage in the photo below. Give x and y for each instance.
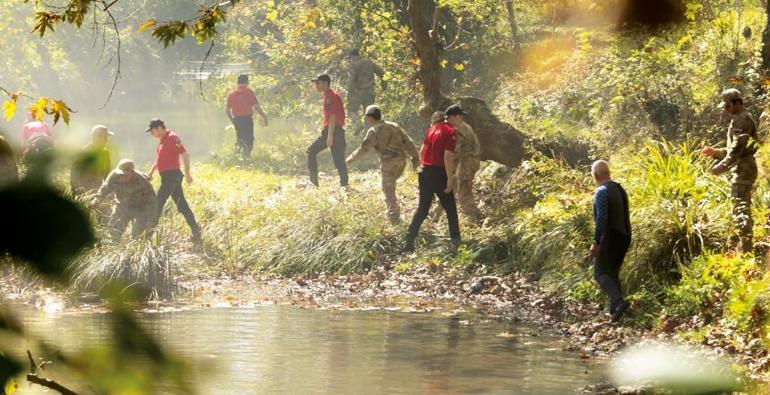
(705, 284)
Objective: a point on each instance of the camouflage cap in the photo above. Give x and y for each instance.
(437, 116)
(125, 166)
(729, 95)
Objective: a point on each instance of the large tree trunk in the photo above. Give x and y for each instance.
(500, 142)
(427, 42)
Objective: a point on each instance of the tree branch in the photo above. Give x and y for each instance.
(200, 71)
(33, 378)
(117, 50)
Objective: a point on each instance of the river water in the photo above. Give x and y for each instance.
(284, 349)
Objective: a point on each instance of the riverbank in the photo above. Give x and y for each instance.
(273, 238)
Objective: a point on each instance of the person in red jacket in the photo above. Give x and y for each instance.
(333, 135)
(242, 103)
(436, 178)
(170, 148)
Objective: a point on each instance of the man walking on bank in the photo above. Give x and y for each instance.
(170, 148)
(393, 146)
(738, 157)
(242, 103)
(436, 179)
(361, 86)
(332, 135)
(612, 237)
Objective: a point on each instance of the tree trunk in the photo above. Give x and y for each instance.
(500, 142)
(428, 48)
(512, 22)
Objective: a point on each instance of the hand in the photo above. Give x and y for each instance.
(450, 184)
(329, 143)
(149, 176)
(708, 151)
(348, 161)
(594, 250)
(189, 178)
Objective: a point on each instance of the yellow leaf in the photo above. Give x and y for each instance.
(443, 63)
(459, 66)
(60, 109)
(11, 387)
(9, 109)
(38, 109)
(147, 24)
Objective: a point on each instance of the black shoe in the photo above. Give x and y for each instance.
(407, 248)
(619, 311)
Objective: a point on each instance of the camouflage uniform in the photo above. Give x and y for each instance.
(136, 201)
(467, 162)
(361, 85)
(738, 157)
(393, 145)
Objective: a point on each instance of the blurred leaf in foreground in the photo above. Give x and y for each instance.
(42, 227)
(9, 368)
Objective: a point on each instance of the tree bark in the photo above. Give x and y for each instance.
(512, 22)
(427, 42)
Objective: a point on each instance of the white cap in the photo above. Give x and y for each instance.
(101, 129)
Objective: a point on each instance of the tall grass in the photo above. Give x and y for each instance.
(677, 208)
(150, 268)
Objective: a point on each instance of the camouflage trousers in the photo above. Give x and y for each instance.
(358, 100)
(742, 218)
(391, 170)
(144, 221)
(463, 190)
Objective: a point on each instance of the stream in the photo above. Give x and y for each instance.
(285, 349)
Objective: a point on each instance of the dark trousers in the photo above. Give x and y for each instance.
(338, 155)
(244, 135)
(607, 264)
(171, 186)
(432, 182)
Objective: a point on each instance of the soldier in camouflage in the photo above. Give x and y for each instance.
(738, 157)
(136, 201)
(361, 86)
(393, 146)
(467, 162)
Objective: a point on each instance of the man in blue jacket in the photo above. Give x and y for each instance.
(612, 237)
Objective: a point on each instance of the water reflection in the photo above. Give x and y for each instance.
(281, 349)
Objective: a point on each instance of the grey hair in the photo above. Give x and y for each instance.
(600, 168)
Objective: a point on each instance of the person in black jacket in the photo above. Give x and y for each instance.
(612, 237)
